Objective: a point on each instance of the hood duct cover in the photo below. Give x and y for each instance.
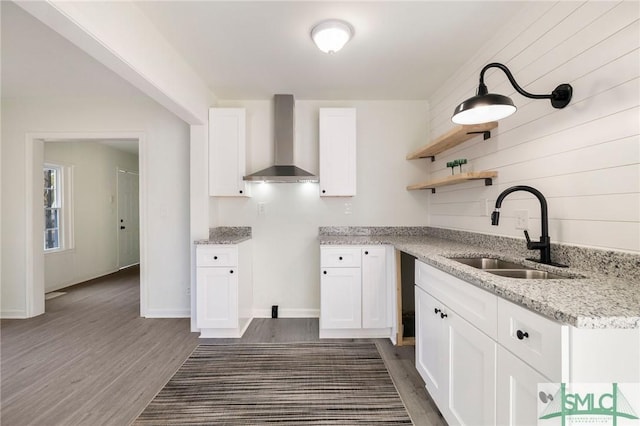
(284, 131)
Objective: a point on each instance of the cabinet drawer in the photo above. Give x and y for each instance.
(475, 305)
(344, 257)
(216, 256)
(533, 338)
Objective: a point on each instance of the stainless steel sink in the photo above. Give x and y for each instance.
(487, 263)
(531, 274)
(507, 269)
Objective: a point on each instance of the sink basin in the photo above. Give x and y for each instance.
(531, 274)
(487, 263)
(507, 269)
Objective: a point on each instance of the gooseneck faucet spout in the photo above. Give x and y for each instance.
(544, 245)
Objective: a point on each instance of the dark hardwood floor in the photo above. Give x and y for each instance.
(91, 360)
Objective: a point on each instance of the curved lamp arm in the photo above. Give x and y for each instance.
(560, 97)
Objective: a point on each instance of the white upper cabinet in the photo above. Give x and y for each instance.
(227, 152)
(337, 152)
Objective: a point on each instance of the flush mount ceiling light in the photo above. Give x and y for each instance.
(331, 35)
(486, 107)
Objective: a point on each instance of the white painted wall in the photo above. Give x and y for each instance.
(166, 186)
(95, 211)
(199, 199)
(583, 158)
(286, 253)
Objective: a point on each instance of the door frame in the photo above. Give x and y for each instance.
(34, 256)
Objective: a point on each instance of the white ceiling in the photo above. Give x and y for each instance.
(401, 50)
(252, 50)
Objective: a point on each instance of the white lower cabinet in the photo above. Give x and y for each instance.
(457, 362)
(375, 288)
(217, 301)
(472, 369)
(355, 292)
(517, 391)
(482, 357)
(340, 290)
(431, 361)
(224, 295)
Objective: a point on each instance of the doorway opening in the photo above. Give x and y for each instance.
(91, 210)
(93, 245)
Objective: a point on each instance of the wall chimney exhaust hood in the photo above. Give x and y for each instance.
(284, 130)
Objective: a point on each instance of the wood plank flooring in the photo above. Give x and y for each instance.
(91, 360)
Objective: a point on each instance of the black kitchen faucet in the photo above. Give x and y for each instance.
(544, 245)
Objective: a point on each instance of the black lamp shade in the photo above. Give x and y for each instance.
(483, 109)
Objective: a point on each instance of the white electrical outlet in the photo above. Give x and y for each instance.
(262, 209)
(347, 208)
(486, 207)
(522, 219)
(189, 290)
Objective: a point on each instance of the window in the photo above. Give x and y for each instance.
(52, 208)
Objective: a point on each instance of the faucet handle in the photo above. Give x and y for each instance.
(533, 245)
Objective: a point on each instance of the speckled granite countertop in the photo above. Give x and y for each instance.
(588, 301)
(227, 235)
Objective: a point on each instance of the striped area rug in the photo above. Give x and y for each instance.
(285, 383)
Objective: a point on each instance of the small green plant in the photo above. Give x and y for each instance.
(455, 163)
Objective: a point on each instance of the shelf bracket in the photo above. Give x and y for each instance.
(485, 134)
(488, 182)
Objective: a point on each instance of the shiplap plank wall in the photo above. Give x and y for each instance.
(585, 158)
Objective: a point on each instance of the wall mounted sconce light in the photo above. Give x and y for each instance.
(331, 35)
(486, 107)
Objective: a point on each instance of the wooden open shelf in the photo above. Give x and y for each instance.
(452, 138)
(487, 175)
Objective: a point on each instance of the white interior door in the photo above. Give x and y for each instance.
(128, 219)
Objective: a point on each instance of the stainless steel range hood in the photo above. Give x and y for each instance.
(284, 131)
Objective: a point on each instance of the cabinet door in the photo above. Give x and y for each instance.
(472, 369)
(374, 288)
(217, 298)
(337, 151)
(340, 298)
(431, 345)
(517, 391)
(227, 133)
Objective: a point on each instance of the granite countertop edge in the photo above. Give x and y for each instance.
(222, 240)
(604, 302)
(226, 235)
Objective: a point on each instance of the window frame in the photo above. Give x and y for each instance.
(57, 205)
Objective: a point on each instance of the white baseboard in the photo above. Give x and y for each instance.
(13, 314)
(218, 333)
(168, 313)
(287, 313)
(356, 333)
(60, 286)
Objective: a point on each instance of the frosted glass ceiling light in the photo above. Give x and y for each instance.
(486, 107)
(331, 35)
